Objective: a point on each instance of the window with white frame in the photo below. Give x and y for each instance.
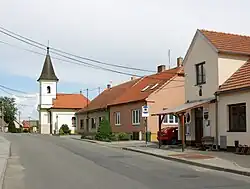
(117, 118)
(136, 115)
(170, 119)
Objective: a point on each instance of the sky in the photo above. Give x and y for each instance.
(133, 33)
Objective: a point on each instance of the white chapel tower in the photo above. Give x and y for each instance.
(47, 90)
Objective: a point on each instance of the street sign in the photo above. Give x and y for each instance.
(144, 111)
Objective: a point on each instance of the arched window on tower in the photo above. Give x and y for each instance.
(48, 90)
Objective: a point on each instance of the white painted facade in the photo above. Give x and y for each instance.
(62, 116)
(218, 68)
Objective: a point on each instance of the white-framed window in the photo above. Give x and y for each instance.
(117, 118)
(136, 116)
(170, 119)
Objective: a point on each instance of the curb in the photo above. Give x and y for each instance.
(85, 140)
(4, 167)
(244, 173)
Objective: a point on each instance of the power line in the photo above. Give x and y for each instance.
(83, 63)
(88, 64)
(4, 87)
(70, 54)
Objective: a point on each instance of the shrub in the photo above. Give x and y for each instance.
(65, 129)
(11, 127)
(61, 131)
(123, 136)
(18, 130)
(114, 137)
(104, 131)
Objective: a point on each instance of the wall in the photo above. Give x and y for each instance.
(223, 114)
(201, 51)
(64, 117)
(126, 118)
(45, 98)
(164, 98)
(44, 122)
(228, 64)
(91, 115)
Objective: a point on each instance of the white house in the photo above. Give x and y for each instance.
(211, 59)
(56, 109)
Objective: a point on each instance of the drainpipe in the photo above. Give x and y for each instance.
(216, 121)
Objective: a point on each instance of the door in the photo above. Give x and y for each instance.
(198, 124)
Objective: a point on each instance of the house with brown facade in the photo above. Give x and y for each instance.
(89, 118)
(163, 89)
(211, 63)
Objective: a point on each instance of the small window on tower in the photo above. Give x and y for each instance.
(48, 90)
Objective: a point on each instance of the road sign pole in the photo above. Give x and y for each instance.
(146, 132)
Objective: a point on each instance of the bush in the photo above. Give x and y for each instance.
(11, 127)
(114, 137)
(104, 131)
(123, 136)
(64, 129)
(18, 130)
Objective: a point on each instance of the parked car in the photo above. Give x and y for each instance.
(168, 135)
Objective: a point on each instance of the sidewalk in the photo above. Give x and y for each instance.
(220, 161)
(4, 155)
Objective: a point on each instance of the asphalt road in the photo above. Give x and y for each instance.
(46, 162)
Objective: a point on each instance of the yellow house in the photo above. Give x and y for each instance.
(210, 60)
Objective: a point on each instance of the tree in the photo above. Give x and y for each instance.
(64, 129)
(12, 127)
(9, 107)
(104, 131)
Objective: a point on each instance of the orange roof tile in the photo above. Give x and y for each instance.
(152, 83)
(109, 95)
(229, 43)
(70, 101)
(240, 79)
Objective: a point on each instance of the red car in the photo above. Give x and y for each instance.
(168, 135)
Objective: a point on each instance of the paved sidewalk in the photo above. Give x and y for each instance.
(197, 158)
(4, 155)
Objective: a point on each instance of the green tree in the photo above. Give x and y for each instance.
(9, 107)
(12, 127)
(104, 131)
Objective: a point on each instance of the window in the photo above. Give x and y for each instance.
(117, 118)
(93, 123)
(136, 114)
(100, 120)
(170, 119)
(145, 88)
(200, 73)
(154, 86)
(48, 90)
(237, 117)
(73, 121)
(81, 123)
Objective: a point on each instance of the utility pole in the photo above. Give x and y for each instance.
(29, 123)
(2, 117)
(99, 90)
(19, 117)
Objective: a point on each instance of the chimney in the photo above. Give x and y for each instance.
(179, 62)
(108, 86)
(133, 78)
(161, 68)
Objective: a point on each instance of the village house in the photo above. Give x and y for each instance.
(89, 118)
(56, 109)
(212, 58)
(163, 89)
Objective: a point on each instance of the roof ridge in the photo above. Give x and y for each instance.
(240, 35)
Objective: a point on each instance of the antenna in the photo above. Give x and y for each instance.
(169, 59)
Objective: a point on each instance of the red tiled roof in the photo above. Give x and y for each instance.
(109, 95)
(135, 93)
(70, 101)
(240, 79)
(229, 43)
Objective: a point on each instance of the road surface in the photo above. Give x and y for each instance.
(46, 162)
